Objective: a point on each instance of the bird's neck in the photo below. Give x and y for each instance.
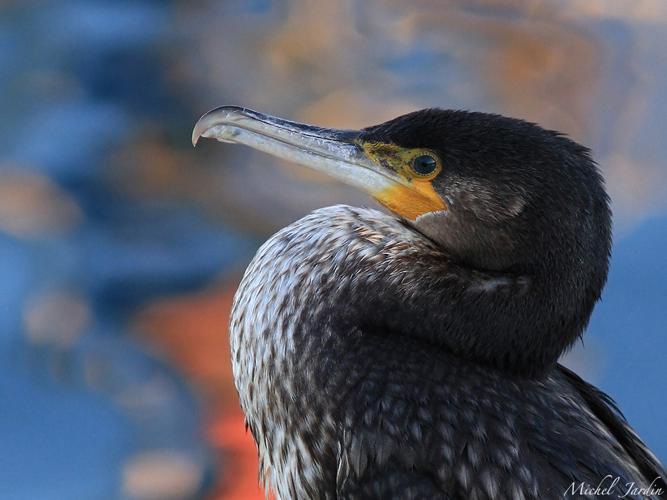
(344, 269)
(514, 321)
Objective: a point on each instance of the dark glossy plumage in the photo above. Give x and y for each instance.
(381, 358)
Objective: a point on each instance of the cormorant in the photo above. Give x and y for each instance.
(415, 355)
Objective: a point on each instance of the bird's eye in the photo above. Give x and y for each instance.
(424, 165)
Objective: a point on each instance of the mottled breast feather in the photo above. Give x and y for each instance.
(343, 403)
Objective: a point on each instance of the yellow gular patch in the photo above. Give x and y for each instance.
(412, 194)
(411, 202)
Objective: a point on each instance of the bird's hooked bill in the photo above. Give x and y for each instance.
(346, 155)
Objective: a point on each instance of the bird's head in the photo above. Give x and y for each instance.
(496, 194)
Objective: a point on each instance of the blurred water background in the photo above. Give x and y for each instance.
(120, 245)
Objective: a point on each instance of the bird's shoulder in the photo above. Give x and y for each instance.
(622, 440)
(449, 430)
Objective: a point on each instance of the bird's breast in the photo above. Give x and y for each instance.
(284, 319)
